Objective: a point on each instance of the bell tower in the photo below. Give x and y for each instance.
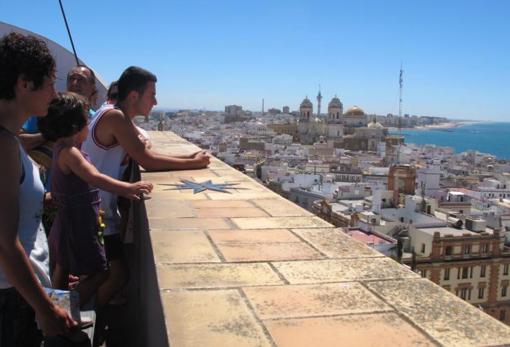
(319, 99)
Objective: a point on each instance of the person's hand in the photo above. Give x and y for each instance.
(55, 321)
(202, 159)
(47, 198)
(194, 154)
(48, 201)
(73, 281)
(137, 189)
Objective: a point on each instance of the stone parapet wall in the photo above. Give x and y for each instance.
(249, 268)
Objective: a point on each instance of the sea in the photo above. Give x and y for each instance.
(492, 138)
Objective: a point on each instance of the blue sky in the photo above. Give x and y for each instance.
(456, 54)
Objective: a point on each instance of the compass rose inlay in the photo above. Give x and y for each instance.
(201, 186)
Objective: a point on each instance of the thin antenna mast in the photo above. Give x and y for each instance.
(69, 32)
(401, 86)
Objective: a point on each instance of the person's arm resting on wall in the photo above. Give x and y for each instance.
(126, 135)
(77, 164)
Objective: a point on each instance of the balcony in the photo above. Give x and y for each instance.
(249, 268)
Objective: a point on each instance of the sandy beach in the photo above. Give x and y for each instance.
(447, 125)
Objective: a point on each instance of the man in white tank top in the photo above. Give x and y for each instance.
(112, 137)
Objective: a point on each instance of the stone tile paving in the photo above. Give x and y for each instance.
(377, 330)
(170, 209)
(280, 207)
(262, 245)
(212, 318)
(229, 275)
(267, 251)
(237, 236)
(211, 212)
(248, 268)
(280, 222)
(336, 244)
(221, 204)
(189, 223)
(335, 270)
(442, 314)
(184, 246)
(299, 301)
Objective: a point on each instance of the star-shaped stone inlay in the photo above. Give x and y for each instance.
(201, 186)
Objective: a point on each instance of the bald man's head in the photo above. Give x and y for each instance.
(82, 80)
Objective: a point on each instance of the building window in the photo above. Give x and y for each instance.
(504, 290)
(465, 293)
(465, 272)
(467, 249)
(423, 248)
(446, 274)
(448, 250)
(481, 293)
(482, 270)
(505, 269)
(484, 248)
(502, 315)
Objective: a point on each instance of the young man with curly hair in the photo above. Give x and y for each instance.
(27, 77)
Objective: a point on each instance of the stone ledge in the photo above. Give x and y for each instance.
(249, 268)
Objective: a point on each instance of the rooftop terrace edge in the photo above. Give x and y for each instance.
(249, 268)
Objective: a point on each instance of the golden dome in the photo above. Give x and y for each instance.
(355, 111)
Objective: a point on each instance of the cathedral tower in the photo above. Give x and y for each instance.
(335, 110)
(305, 110)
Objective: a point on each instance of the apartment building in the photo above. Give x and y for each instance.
(472, 264)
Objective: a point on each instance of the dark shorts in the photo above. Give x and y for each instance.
(17, 321)
(113, 247)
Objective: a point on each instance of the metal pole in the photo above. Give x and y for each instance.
(69, 32)
(400, 83)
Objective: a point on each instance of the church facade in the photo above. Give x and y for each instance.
(350, 129)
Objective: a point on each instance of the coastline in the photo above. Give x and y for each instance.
(442, 126)
(447, 125)
(483, 136)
